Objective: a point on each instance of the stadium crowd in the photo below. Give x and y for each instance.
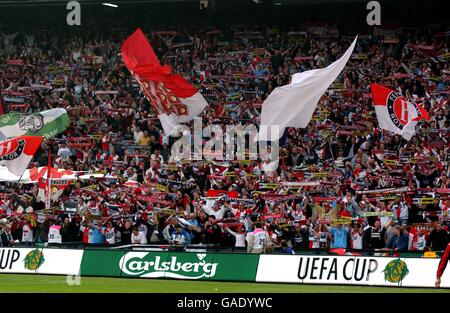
(342, 182)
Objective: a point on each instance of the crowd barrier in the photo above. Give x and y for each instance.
(300, 269)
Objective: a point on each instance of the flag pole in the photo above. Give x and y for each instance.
(49, 166)
(331, 151)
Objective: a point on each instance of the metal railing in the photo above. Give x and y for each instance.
(221, 249)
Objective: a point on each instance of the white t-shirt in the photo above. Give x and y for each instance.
(259, 239)
(64, 153)
(54, 234)
(404, 211)
(139, 239)
(356, 239)
(240, 238)
(420, 243)
(218, 214)
(313, 239)
(323, 239)
(27, 234)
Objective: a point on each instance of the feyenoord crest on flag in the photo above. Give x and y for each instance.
(17, 153)
(395, 113)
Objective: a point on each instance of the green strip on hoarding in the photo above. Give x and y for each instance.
(100, 263)
(237, 267)
(175, 265)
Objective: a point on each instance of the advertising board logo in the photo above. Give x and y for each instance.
(144, 264)
(395, 271)
(8, 258)
(34, 259)
(398, 109)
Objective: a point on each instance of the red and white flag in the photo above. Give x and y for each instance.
(171, 96)
(57, 187)
(32, 175)
(16, 154)
(395, 113)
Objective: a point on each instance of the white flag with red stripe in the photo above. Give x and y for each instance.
(32, 175)
(16, 154)
(395, 113)
(174, 100)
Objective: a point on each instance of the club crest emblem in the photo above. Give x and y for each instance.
(32, 123)
(33, 260)
(395, 271)
(398, 109)
(11, 150)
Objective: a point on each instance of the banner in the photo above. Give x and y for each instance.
(16, 154)
(40, 261)
(57, 188)
(171, 96)
(350, 270)
(46, 123)
(304, 269)
(33, 175)
(178, 265)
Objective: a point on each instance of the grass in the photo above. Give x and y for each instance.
(51, 284)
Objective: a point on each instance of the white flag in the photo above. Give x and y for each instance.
(293, 105)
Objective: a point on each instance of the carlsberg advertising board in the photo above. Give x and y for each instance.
(183, 266)
(299, 269)
(178, 265)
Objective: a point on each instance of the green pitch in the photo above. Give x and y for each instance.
(47, 283)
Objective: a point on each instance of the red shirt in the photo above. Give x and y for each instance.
(443, 262)
(344, 213)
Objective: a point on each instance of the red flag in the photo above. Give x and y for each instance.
(171, 96)
(17, 153)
